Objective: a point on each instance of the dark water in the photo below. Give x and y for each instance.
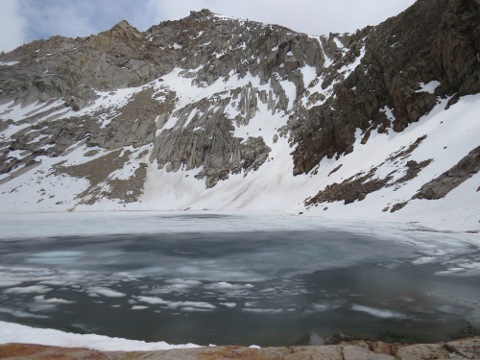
(252, 287)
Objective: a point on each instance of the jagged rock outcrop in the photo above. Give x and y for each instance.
(431, 41)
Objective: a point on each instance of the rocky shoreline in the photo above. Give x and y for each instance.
(357, 350)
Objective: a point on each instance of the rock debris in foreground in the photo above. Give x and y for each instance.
(360, 350)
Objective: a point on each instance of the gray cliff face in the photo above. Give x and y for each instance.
(207, 48)
(323, 88)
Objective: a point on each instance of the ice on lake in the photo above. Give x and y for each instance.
(235, 278)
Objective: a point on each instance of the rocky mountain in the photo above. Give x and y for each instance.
(216, 113)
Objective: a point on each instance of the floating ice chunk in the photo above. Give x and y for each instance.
(451, 271)
(223, 285)
(320, 307)
(423, 260)
(470, 265)
(381, 313)
(182, 305)
(28, 289)
(194, 309)
(229, 304)
(9, 283)
(263, 311)
(20, 314)
(177, 285)
(198, 304)
(186, 282)
(41, 298)
(105, 292)
(269, 290)
(152, 300)
(139, 307)
(55, 282)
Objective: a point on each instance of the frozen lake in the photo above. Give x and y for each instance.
(236, 279)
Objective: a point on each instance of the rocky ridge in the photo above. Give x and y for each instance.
(218, 98)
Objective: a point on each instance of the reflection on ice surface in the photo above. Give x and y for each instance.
(55, 257)
(189, 277)
(378, 312)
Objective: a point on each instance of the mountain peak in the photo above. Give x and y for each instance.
(124, 26)
(201, 14)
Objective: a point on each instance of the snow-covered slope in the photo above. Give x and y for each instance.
(274, 188)
(228, 115)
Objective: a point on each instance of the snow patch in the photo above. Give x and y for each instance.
(309, 74)
(14, 333)
(429, 87)
(388, 113)
(8, 63)
(346, 70)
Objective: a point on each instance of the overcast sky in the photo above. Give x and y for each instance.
(22, 21)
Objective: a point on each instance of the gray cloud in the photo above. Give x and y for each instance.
(12, 25)
(73, 17)
(27, 20)
(310, 16)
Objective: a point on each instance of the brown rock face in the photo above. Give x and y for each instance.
(432, 40)
(350, 190)
(456, 48)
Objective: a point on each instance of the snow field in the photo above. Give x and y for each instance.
(451, 134)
